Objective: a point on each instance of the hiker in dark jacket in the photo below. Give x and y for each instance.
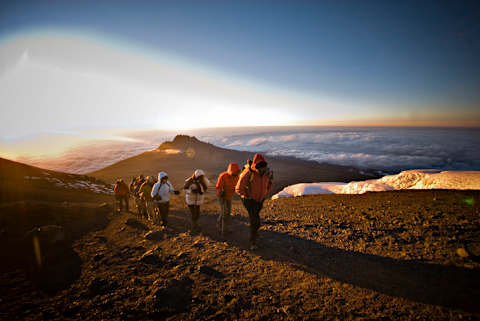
(121, 193)
(195, 187)
(253, 186)
(136, 195)
(225, 190)
(146, 198)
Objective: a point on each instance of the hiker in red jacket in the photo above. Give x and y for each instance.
(225, 189)
(253, 186)
(121, 193)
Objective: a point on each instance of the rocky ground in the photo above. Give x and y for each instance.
(389, 255)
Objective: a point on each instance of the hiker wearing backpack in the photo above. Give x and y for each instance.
(161, 197)
(146, 198)
(225, 189)
(136, 194)
(253, 186)
(195, 187)
(132, 184)
(121, 193)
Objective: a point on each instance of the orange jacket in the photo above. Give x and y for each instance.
(121, 189)
(227, 181)
(253, 185)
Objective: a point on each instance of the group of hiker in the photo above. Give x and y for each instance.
(252, 184)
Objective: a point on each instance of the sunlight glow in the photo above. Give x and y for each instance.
(76, 84)
(57, 81)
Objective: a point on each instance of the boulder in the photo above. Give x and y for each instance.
(151, 258)
(100, 286)
(211, 272)
(136, 224)
(154, 235)
(174, 295)
(462, 252)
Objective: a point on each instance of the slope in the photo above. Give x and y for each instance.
(385, 255)
(41, 213)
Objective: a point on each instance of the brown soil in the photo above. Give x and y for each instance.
(389, 255)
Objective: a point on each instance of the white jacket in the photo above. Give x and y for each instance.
(164, 190)
(192, 197)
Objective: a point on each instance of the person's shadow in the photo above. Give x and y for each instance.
(448, 286)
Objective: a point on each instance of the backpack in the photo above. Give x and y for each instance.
(194, 181)
(250, 177)
(157, 197)
(137, 188)
(141, 193)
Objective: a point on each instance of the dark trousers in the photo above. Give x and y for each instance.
(163, 209)
(195, 211)
(226, 209)
(122, 199)
(253, 208)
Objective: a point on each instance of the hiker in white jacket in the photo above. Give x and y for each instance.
(161, 196)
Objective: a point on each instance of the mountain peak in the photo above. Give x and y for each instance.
(182, 142)
(185, 140)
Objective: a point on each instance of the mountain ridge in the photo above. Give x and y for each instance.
(181, 156)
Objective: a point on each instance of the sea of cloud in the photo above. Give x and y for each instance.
(389, 150)
(97, 154)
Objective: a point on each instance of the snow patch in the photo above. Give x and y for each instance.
(84, 185)
(308, 189)
(411, 179)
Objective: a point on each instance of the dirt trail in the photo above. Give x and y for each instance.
(320, 258)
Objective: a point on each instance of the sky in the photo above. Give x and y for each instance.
(75, 68)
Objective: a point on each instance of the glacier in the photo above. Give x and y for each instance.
(410, 179)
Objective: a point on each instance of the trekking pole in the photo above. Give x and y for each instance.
(187, 212)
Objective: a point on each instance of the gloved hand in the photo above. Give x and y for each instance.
(270, 174)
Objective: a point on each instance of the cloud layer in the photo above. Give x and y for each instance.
(387, 149)
(390, 150)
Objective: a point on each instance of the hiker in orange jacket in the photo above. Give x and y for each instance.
(253, 186)
(225, 189)
(121, 193)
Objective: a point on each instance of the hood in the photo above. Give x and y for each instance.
(232, 168)
(199, 173)
(258, 158)
(161, 175)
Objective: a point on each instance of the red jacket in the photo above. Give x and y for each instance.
(121, 189)
(253, 185)
(226, 181)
